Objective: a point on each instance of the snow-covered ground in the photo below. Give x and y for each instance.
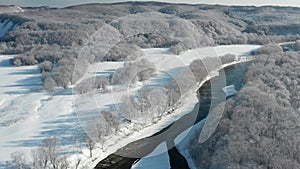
(10, 9)
(28, 114)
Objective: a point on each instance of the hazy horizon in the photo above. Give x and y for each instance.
(59, 3)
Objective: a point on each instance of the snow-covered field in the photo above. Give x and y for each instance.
(29, 114)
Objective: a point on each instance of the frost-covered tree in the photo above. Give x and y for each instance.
(52, 147)
(90, 144)
(128, 107)
(121, 51)
(62, 76)
(112, 119)
(18, 161)
(199, 69)
(47, 155)
(147, 106)
(178, 48)
(132, 72)
(93, 83)
(258, 126)
(45, 66)
(49, 84)
(269, 49)
(229, 58)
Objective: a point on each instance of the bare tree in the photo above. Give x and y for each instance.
(90, 144)
(18, 160)
(62, 163)
(52, 146)
(40, 158)
(78, 161)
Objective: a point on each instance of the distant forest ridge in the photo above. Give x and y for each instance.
(54, 37)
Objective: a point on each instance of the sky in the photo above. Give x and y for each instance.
(64, 3)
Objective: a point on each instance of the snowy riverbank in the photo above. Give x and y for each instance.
(187, 103)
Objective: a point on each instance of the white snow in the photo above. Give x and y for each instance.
(157, 159)
(229, 90)
(10, 9)
(28, 114)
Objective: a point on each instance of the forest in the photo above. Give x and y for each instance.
(260, 126)
(57, 35)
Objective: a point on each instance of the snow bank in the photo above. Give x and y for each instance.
(229, 90)
(168, 66)
(10, 9)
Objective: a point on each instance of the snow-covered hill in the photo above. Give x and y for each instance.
(10, 9)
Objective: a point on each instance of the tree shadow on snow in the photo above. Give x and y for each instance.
(67, 128)
(27, 85)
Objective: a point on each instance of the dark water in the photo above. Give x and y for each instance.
(140, 148)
